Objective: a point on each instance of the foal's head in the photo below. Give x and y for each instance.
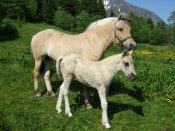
(122, 33)
(127, 65)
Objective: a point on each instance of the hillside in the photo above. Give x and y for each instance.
(118, 6)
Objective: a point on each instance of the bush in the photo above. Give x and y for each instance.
(8, 29)
(64, 20)
(84, 20)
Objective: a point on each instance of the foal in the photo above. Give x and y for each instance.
(95, 74)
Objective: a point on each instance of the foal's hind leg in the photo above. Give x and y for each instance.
(47, 75)
(35, 74)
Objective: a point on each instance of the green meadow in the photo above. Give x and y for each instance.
(146, 104)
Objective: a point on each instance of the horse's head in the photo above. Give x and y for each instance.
(127, 65)
(122, 33)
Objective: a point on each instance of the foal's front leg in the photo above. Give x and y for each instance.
(104, 106)
(65, 91)
(60, 97)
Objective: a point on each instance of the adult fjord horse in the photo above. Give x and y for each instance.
(91, 44)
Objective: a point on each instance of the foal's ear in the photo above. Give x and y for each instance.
(131, 52)
(125, 53)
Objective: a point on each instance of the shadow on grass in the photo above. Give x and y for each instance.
(119, 88)
(55, 86)
(4, 125)
(113, 108)
(115, 88)
(4, 38)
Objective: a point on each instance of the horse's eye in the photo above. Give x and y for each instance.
(126, 64)
(120, 29)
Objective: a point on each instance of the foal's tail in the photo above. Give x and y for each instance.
(58, 68)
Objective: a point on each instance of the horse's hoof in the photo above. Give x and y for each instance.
(37, 93)
(51, 93)
(88, 105)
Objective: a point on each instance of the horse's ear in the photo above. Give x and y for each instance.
(120, 16)
(125, 53)
(126, 17)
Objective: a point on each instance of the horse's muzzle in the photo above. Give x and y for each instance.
(129, 45)
(132, 47)
(132, 76)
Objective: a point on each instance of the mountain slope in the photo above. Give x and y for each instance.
(118, 6)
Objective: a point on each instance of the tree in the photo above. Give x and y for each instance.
(83, 20)
(150, 23)
(8, 29)
(141, 29)
(32, 15)
(171, 28)
(2, 11)
(101, 9)
(15, 9)
(70, 6)
(64, 20)
(48, 11)
(92, 7)
(171, 18)
(111, 14)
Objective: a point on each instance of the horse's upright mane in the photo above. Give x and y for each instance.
(100, 22)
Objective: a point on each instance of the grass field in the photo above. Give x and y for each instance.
(147, 104)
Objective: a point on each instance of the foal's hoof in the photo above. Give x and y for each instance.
(69, 114)
(107, 126)
(88, 105)
(37, 93)
(51, 93)
(59, 110)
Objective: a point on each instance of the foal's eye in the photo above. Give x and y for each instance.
(126, 64)
(120, 29)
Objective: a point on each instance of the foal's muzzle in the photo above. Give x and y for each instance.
(132, 76)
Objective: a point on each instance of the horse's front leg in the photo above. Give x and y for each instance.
(47, 76)
(104, 106)
(86, 97)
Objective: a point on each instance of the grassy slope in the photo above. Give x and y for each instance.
(146, 104)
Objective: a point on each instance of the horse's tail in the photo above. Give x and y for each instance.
(58, 68)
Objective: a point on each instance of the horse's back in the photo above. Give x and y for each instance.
(45, 34)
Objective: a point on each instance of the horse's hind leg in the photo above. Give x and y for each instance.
(86, 97)
(47, 75)
(35, 74)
